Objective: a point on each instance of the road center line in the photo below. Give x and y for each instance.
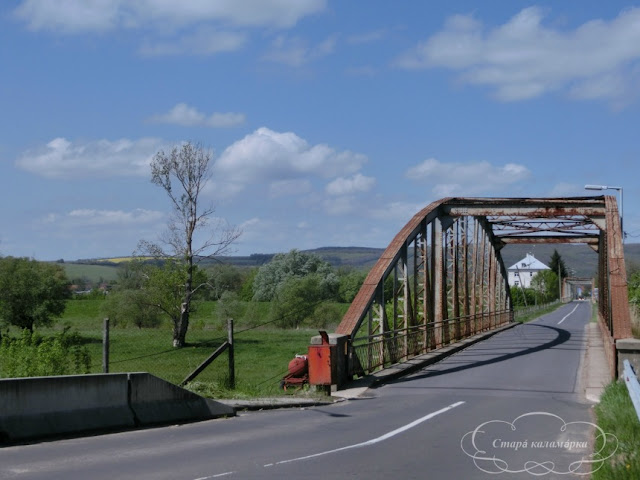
(373, 441)
(569, 314)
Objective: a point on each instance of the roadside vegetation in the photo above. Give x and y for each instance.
(307, 295)
(633, 276)
(526, 314)
(616, 416)
(543, 294)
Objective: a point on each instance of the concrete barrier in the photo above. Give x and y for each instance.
(43, 406)
(155, 401)
(628, 349)
(39, 407)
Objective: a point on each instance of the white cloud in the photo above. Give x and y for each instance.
(342, 205)
(448, 179)
(285, 188)
(524, 59)
(113, 217)
(78, 16)
(204, 41)
(264, 232)
(347, 186)
(266, 156)
(397, 211)
(295, 51)
(367, 37)
(186, 116)
(61, 158)
(87, 217)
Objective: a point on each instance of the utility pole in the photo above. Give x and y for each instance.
(559, 282)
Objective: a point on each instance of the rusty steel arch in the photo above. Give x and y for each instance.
(442, 277)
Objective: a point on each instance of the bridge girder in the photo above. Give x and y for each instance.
(442, 277)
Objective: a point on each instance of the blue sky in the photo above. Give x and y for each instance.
(331, 122)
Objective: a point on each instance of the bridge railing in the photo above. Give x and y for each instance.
(380, 350)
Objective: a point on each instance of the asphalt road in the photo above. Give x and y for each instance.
(467, 417)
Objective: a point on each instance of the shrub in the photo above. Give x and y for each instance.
(32, 355)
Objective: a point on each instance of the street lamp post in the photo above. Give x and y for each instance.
(608, 187)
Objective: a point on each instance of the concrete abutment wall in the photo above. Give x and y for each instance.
(38, 407)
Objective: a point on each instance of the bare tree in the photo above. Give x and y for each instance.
(183, 174)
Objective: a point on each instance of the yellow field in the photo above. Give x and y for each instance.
(121, 259)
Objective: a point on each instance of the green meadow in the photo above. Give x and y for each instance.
(262, 351)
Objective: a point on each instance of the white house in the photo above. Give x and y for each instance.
(521, 272)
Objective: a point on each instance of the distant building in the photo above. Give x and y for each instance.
(521, 272)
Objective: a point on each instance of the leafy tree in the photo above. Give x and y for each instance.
(183, 174)
(546, 282)
(557, 261)
(32, 293)
(325, 315)
(229, 307)
(350, 284)
(295, 264)
(150, 291)
(129, 301)
(164, 290)
(246, 290)
(523, 296)
(296, 299)
(224, 278)
(129, 305)
(130, 275)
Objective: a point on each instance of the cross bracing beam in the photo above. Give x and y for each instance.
(588, 239)
(442, 276)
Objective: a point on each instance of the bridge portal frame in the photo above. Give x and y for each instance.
(442, 277)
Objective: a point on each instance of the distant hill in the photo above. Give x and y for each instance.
(579, 258)
(354, 257)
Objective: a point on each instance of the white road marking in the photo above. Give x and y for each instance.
(386, 436)
(216, 476)
(569, 314)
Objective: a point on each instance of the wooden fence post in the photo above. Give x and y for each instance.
(232, 372)
(105, 346)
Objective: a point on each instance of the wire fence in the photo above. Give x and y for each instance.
(261, 348)
(520, 313)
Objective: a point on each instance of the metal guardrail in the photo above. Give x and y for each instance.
(633, 386)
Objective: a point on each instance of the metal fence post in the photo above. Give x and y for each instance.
(232, 373)
(632, 386)
(105, 346)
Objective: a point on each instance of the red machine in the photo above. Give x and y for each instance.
(298, 374)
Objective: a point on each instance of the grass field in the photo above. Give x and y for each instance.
(262, 353)
(93, 273)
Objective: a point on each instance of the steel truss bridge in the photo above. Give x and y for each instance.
(442, 277)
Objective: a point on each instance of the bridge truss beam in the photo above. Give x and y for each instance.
(442, 277)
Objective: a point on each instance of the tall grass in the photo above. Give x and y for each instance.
(616, 415)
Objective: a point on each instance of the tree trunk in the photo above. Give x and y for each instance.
(180, 327)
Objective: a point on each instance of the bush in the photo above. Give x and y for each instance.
(124, 306)
(32, 355)
(324, 316)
